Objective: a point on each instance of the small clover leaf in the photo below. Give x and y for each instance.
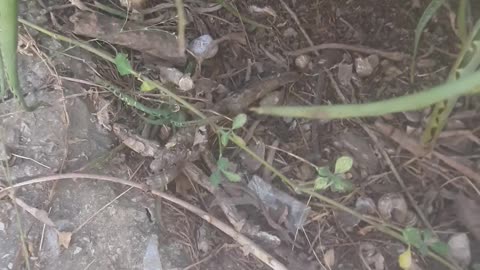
(239, 121)
(343, 164)
(321, 183)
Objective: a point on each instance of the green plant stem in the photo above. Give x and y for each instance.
(181, 23)
(462, 21)
(8, 48)
(239, 142)
(467, 85)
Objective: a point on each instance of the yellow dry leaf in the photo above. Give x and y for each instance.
(405, 259)
(64, 238)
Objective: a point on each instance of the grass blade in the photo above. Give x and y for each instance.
(422, 23)
(8, 47)
(467, 62)
(468, 85)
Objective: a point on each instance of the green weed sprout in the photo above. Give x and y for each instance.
(223, 163)
(335, 181)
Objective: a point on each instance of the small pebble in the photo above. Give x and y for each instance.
(200, 47)
(365, 66)
(272, 99)
(302, 61)
(77, 250)
(290, 32)
(459, 246)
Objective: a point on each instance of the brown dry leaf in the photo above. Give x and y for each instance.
(329, 258)
(39, 214)
(262, 10)
(64, 238)
(468, 213)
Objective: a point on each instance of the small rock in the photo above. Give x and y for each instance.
(2, 226)
(10, 265)
(200, 47)
(302, 61)
(272, 99)
(290, 32)
(151, 259)
(393, 205)
(459, 245)
(345, 73)
(365, 205)
(413, 116)
(77, 250)
(365, 66)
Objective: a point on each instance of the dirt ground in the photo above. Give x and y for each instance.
(86, 224)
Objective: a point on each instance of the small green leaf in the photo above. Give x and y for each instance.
(239, 121)
(414, 238)
(343, 164)
(321, 183)
(224, 138)
(340, 185)
(123, 65)
(223, 164)
(147, 86)
(215, 178)
(231, 176)
(440, 248)
(405, 259)
(324, 171)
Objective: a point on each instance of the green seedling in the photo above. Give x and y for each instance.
(423, 241)
(334, 180)
(223, 163)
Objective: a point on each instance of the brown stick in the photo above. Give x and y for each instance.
(394, 56)
(254, 91)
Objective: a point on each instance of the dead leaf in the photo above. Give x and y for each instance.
(329, 258)
(262, 10)
(39, 214)
(64, 238)
(201, 136)
(468, 213)
(103, 113)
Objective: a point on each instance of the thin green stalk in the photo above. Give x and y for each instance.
(239, 142)
(8, 47)
(181, 23)
(462, 21)
(467, 85)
